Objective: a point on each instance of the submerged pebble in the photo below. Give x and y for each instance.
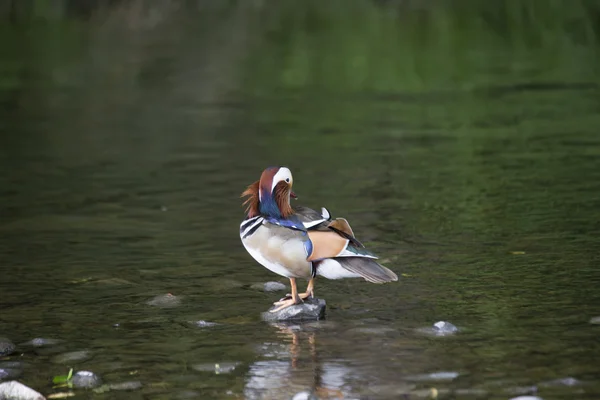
(527, 398)
(164, 300)
(373, 330)
(440, 328)
(218, 368)
(72, 357)
(595, 320)
(568, 381)
(443, 327)
(42, 342)
(6, 347)
(434, 376)
(86, 380)
(269, 286)
(129, 385)
(203, 324)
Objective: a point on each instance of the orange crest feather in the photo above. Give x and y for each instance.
(252, 201)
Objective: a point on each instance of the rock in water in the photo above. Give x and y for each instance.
(129, 385)
(72, 357)
(440, 328)
(6, 347)
(86, 380)
(568, 381)
(165, 300)
(444, 328)
(14, 390)
(42, 342)
(309, 310)
(202, 324)
(273, 286)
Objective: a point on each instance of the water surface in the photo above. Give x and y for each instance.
(471, 165)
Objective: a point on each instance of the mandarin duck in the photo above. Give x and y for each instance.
(298, 242)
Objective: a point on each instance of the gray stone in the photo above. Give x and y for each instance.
(129, 385)
(86, 380)
(444, 328)
(309, 310)
(165, 301)
(373, 330)
(72, 357)
(568, 381)
(6, 347)
(434, 376)
(269, 286)
(440, 328)
(42, 342)
(595, 320)
(14, 390)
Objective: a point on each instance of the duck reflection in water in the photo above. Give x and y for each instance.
(293, 370)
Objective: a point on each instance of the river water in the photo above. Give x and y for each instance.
(469, 164)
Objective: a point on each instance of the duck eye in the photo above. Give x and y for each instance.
(287, 180)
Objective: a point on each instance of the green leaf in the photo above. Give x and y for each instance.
(63, 378)
(60, 379)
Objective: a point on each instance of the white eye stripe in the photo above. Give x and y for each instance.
(284, 174)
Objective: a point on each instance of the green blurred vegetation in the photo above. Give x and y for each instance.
(363, 45)
(424, 45)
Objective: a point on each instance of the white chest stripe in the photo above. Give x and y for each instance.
(258, 221)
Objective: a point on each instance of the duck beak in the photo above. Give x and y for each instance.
(293, 195)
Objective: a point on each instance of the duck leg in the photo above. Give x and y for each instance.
(310, 290)
(294, 298)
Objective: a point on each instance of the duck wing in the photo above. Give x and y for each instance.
(335, 251)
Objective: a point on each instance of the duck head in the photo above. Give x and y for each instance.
(270, 196)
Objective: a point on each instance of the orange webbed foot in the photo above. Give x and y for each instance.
(285, 303)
